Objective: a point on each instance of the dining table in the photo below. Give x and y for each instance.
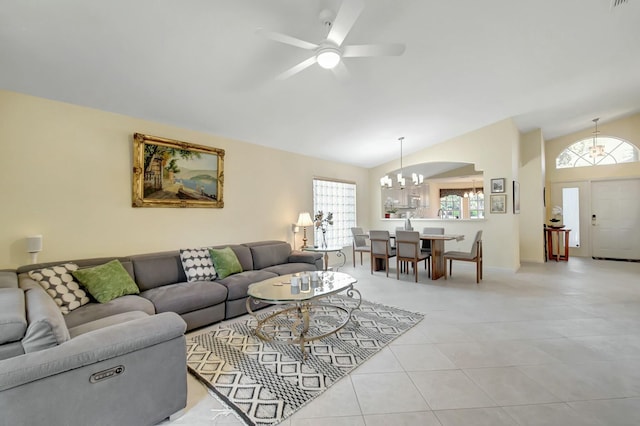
(437, 250)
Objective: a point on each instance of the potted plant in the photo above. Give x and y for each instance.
(389, 208)
(556, 219)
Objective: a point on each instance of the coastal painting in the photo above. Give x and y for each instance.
(171, 173)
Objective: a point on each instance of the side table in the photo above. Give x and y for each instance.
(559, 233)
(326, 251)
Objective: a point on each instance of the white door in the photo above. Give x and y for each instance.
(615, 219)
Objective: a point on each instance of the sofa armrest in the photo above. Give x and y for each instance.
(132, 373)
(90, 348)
(297, 256)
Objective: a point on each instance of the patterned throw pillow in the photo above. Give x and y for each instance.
(60, 285)
(197, 264)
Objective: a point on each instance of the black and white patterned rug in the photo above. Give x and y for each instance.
(267, 382)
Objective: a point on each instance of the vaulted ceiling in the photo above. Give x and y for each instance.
(199, 64)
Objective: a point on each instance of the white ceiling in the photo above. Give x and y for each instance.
(198, 64)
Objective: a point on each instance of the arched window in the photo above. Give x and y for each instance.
(609, 150)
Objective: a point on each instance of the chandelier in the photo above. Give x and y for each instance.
(416, 178)
(473, 192)
(596, 150)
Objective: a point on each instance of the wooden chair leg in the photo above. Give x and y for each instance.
(360, 259)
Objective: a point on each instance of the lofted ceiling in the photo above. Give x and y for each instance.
(199, 64)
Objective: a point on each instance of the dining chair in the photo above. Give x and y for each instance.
(381, 248)
(426, 244)
(408, 251)
(360, 244)
(474, 255)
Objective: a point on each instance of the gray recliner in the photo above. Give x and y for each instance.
(125, 369)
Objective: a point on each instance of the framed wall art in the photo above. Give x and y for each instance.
(498, 203)
(516, 197)
(497, 185)
(171, 173)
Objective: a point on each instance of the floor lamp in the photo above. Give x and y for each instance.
(304, 220)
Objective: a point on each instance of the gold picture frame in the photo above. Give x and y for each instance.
(172, 173)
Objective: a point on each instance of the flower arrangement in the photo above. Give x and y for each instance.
(322, 223)
(389, 207)
(556, 219)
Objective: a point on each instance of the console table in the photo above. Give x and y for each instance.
(559, 233)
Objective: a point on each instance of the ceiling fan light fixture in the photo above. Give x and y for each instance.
(328, 57)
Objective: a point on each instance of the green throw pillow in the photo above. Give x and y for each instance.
(107, 282)
(225, 262)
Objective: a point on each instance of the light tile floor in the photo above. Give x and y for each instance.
(552, 344)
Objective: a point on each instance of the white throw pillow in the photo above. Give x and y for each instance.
(197, 264)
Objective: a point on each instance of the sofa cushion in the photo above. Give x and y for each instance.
(225, 261)
(95, 311)
(13, 320)
(197, 264)
(238, 284)
(269, 255)
(157, 269)
(46, 327)
(186, 297)
(291, 268)
(107, 282)
(58, 282)
(105, 322)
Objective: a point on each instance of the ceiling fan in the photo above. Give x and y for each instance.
(329, 52)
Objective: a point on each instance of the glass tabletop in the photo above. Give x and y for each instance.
(323, 249)
(279, 289)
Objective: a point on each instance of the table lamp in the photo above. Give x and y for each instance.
(304, 220)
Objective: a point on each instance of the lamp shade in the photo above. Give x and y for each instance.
(304, 219)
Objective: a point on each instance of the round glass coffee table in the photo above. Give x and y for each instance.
(292, 323)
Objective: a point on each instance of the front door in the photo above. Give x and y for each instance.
(615, 219)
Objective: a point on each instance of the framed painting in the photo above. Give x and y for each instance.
(171, 173)
(498, 203)
(516, 197)
(497, 185)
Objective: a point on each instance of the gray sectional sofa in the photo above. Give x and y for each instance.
(124, 361)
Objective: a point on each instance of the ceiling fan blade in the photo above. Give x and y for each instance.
(360, 50)
(345, 18)
(297, 68)
(286, 39)
(341, 72)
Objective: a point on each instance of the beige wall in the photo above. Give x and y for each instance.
(494, 150)
(66, 173)
(532, 210)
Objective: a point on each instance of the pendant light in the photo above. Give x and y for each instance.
(596, 150)
(416, 178)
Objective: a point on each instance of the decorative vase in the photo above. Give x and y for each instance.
(324, 239)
